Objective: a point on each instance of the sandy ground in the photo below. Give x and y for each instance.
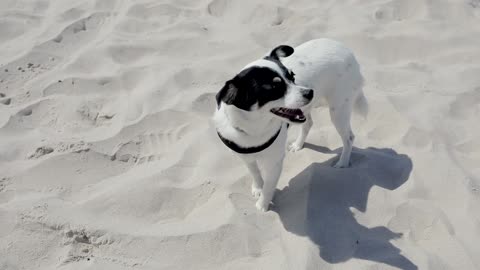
(108, 158)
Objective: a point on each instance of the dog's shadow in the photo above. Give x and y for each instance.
(317, 203)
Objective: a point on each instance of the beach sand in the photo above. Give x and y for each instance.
(109, 159)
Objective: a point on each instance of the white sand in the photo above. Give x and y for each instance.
(108, 159)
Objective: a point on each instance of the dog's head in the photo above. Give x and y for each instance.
(267, 86)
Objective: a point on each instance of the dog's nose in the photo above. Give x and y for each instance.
(308, 94)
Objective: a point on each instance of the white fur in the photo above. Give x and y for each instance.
(325, 66)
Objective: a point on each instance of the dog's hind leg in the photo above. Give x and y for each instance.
(305, 129)
(257, 182)
(341, 120)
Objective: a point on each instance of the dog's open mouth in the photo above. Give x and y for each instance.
(293, 115)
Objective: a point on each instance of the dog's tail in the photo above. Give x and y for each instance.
(361, 105)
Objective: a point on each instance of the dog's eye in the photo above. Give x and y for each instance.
(277, 80)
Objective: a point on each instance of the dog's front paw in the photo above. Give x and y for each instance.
(340, 165)
(294, 147)
(262, 205)
(256, 191)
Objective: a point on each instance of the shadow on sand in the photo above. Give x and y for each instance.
(329, 193)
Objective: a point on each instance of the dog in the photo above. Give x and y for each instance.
(256, 107)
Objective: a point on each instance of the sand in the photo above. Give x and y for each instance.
(109, 160)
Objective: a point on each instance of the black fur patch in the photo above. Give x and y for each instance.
(276, 54)
(281, 51)
(253, 85)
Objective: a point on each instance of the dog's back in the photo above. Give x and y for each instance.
(330, 68)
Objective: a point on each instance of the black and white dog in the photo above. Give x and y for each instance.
(255, 108)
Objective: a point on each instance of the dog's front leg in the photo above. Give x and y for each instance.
(257, 182)
(305, 129)
(271, 172)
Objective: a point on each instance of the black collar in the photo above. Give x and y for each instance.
(248, 150)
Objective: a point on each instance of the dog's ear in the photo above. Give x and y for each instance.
(281, 51)
(234, 94)
(227, 94)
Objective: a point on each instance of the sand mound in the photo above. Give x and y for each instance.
(108, 159)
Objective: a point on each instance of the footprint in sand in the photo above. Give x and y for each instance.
(5, 194)
(282, 14)
(5, 100)
(265, 14)
(217, 8)
(82, 87)
(3, 183)
(474, 3)
(150, 138)
(466, 105)
(40, 152)
(205, 104)
(148, 147)
(67, 116)
(398, 10)
(41, 59)
(83, 29)
(80, 246)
